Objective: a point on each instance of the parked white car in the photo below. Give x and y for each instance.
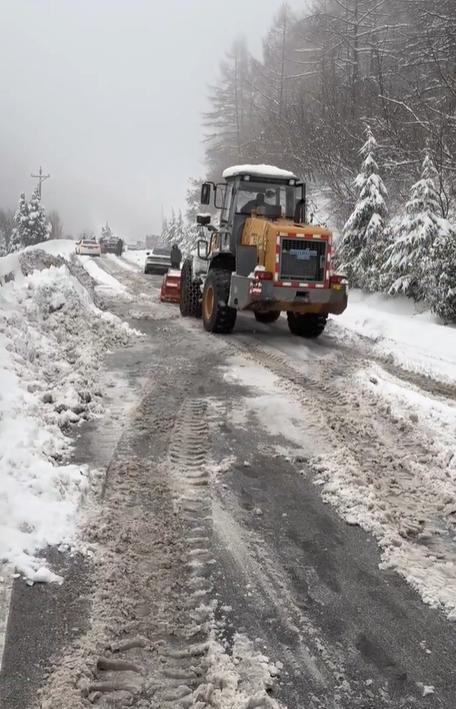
(88, 247)
(158, 260)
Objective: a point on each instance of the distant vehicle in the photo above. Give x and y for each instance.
(88, 247)
(158, 260)
(112, 245)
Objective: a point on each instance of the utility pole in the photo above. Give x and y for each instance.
(41, 178)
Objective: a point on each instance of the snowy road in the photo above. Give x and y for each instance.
(221, 578)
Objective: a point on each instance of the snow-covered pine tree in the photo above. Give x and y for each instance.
(7, 226)
(441, 280)
(180, 229)
(173, 230)
(56, 225)
(164, 231)
(106, 232)
(169, 229)
(177, 230)
(190, 236)
(38, 227)
(407, 259)
(363, 240)
(20, 233)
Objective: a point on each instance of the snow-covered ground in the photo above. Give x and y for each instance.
(410, 505)
(121, 262)
(49, 382)
(103, 279)
(413, 339)
(138, 258)
(386, 448)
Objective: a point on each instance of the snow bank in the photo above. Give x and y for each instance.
(54, 247)
(48, 382)
(414, 340)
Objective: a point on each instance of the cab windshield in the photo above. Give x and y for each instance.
(272, 200)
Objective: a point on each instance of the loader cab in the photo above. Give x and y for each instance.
(269, 193)
(266, 198)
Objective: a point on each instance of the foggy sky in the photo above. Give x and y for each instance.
(107, 95)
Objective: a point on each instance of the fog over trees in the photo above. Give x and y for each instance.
(327, 73)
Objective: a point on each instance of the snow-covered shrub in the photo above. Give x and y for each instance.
(406, 267)
(362, 245)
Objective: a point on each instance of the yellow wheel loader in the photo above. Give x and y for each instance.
(262, 257)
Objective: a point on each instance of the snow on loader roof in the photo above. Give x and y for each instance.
(259, 171)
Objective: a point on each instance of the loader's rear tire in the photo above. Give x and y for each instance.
(190, 299)
(310, 325)
(217, 316)
(269, 317)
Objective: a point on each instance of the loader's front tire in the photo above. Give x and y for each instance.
(309, 325)
(217, 316)
(190, 299)
(268, 317)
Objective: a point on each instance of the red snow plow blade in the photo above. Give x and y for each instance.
(171, 287)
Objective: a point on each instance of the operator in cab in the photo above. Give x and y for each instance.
(253, 204)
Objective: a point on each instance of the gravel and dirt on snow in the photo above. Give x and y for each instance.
(220, 576)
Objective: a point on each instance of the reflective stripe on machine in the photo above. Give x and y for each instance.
(277, 261)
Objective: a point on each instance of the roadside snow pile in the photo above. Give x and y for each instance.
(49, 381)
(13, 263)
(414, 340)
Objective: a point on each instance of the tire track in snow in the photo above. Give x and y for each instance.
(198, 672)
(185, 659)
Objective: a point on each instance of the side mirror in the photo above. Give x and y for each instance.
(300, 212)
(203, 219)
(206, 193)
(203, 249)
